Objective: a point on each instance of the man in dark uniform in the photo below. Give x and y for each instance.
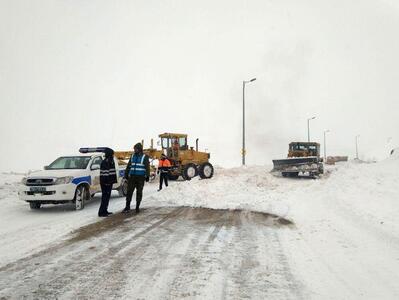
(137, 172)
(107, 179)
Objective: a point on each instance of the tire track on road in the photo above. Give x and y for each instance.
(73, 266)
(167, 252)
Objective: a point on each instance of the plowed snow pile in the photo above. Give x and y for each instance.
(369, 189)
(252, 188)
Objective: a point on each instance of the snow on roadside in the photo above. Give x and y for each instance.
(250, 188)
(9, 183)
(24, 231)
(367, 189)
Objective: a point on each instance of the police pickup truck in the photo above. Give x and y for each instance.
(69, 179)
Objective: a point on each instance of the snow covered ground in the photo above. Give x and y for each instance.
(26, 231)
(344, 243)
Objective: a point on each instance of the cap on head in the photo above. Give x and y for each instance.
(138, 148)
(108, 152)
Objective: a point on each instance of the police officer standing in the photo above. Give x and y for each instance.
(163, 168)
(107, 179)
(137, 171)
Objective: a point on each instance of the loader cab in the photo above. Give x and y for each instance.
(304, 149)
(173, 143)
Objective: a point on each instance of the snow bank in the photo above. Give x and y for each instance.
(9, 183)
(250, 188)
(369, 189)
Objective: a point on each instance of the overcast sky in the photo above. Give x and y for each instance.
(94, 73)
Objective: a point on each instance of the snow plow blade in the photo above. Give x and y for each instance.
(297, 164)
(280, 164)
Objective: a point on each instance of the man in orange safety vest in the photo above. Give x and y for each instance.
(163, 169)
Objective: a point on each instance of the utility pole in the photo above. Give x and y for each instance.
(309, 127)
(357, 148)
(325, 145)
(243, 151)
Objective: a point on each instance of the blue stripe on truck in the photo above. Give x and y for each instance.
(78, 180)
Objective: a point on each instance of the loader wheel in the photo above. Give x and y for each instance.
(173, 177)
(206, 171)
(190, 171)
(35, 205)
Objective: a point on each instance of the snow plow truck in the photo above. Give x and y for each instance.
(303, 158)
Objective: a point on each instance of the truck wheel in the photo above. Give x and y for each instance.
(173, 177)
(190, 171)
(81, 196)
(122, 190)
(35, 205)
(206, 171)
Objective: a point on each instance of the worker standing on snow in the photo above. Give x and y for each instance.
(137, 171)
(163, 169)
(107, 179)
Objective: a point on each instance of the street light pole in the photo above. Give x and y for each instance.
(357, 148)
(325, 146)
(309, 127)
(243, 151)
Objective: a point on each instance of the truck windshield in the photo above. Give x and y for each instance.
(298, 147)
(70, 162)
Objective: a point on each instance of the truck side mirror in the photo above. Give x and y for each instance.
(45, 168)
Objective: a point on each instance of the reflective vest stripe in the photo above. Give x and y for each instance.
(137, 166)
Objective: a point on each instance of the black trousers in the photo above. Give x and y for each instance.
(163, 178)
(106, 190)
(135, 183)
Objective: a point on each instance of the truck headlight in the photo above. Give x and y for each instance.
(63, 180)
(23, 180)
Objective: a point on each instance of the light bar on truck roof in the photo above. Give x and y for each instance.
(93, 149)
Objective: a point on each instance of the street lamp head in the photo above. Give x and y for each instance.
(248, 81)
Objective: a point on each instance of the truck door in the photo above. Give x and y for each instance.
(95, 175)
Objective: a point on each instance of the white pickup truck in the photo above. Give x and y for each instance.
(69, 179)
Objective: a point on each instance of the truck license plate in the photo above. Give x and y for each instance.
(38, 189)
